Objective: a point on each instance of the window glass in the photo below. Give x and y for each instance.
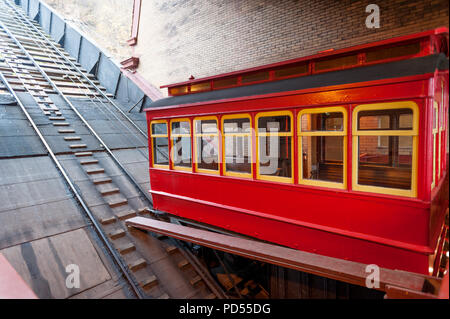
(237, 145)
(225, 82)
(321, 140)
(160, 145)
(160, 151)
(322, 122)
(275, 146)
(200, 86)
(406, 121)
(274, 124)
(392, 119)
(178, 90)
(336, 63)
(392, 52)
(385, 159)
(207, 144)
(237, 125)
(181, 144)
(159, 128)
(435, 117)
(181, 128)
(208, 152)
(253, 77)
(291, 70)
(275, 158)
(206, 127)
(323, 158)
(388, 164)
(182, 151)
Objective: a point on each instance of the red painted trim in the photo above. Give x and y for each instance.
(135, 23)
(132, 41)
(375, 239)
(130, 63)
(312, 190)
(312, 218)
(152, 92)
(12, 286)
(424, 34)
(304, 91)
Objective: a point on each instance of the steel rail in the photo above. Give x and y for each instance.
(205, 278)
(72, 187)
(212, 286)
(76, 67)
(39, 40)
(74, 109)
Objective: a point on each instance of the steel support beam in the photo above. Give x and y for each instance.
(333, 268)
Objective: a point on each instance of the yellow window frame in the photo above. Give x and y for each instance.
(335, 109)
(195, 135)
(414, 133)
(435, 131)
(172, 136)
(156, 136)
(289, 180)
(224, 134)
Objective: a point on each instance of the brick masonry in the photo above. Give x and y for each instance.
(179, 38)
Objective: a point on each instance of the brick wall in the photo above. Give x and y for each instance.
(179, 38)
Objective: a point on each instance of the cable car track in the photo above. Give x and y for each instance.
(23, 69)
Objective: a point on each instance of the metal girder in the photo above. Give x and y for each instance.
(395, 282)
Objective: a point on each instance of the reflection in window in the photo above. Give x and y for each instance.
(385, 154)
(237, 145)
(322, 146)
(312, 122)
(388, 165)
(275, 146)
(160, 145)
(207, 144)
(181, 144)
(393, 119)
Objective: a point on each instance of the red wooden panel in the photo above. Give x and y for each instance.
(391, 231)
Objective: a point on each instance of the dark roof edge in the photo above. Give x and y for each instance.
(417, 66)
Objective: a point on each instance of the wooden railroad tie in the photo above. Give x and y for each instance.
(78, 146)
(138, 264)
(72, 138)
(95, 171)
(117, 203)
(100, 181)
(109, 191)
(127, 248)
(66, 131)
(81, 154)
(89, 162)
(117, 234)
(108, 220)
(194, 281)
(149, 282)
(126, 214)
(183, 264)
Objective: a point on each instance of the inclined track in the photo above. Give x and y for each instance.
(154, 268)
